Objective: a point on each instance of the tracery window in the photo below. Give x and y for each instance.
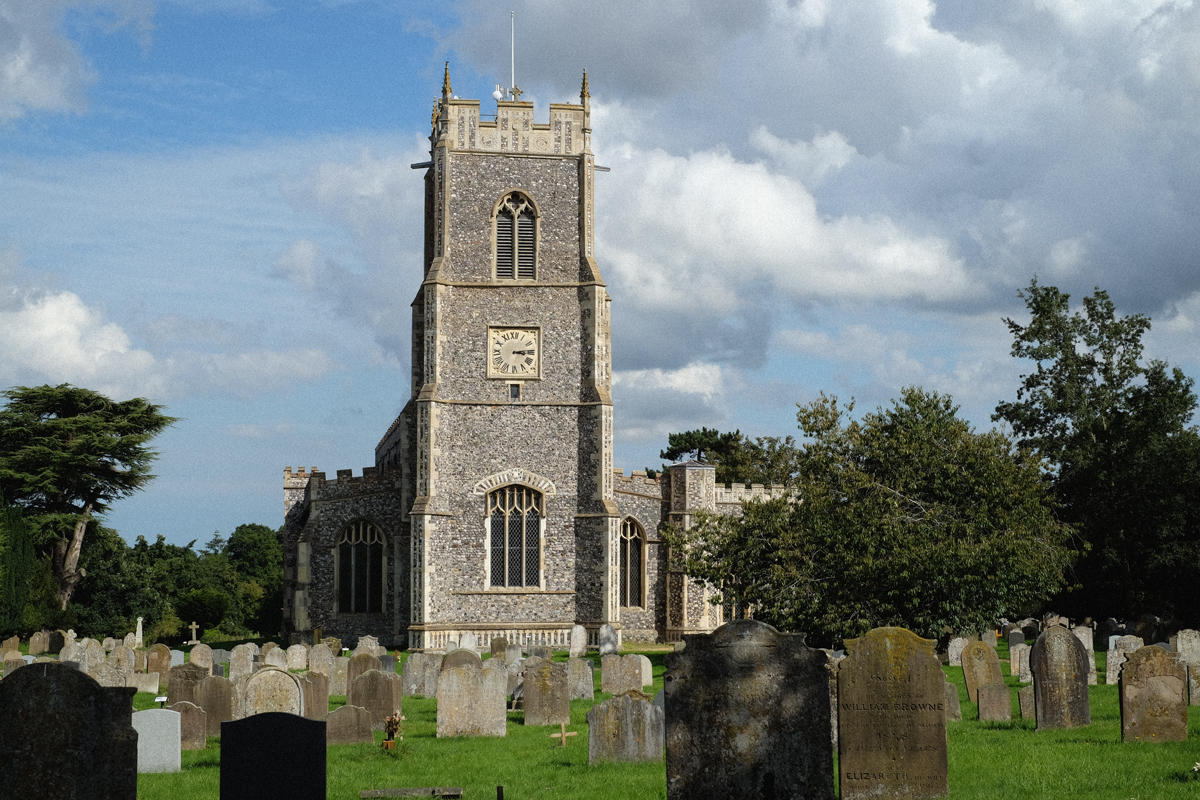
(516, 238)
(516, 514)
(360, 567)
(633, 549)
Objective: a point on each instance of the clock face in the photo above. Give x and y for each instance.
(513, 353)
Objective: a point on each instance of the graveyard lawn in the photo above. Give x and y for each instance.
(987, 760)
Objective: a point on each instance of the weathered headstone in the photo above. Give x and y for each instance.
(388, 664)
(470, 701)
(140, 660)
(462, 658)
(143, 681)
(368, 645)
(1018, 663)
(892, 712)
(178, 657)
(1015, 638)
(953, 705)
(96, 654)
(271, 689)
(547, 699)
(52, 711)
(339, 671)
(11, 665)
(581, 679)
(1118, 651)
(579, 639)
(607, 639)
(130, 641)
(158, 742)
(412, 678)
(273, 755)
(513, 653)
(109, 643)
(981, 666)
(499, 647)
(315, 688)
(1060, 688)
(995, 703)
(468, 642)
(620, 674)
(378, 693)
(348, 725)
(275, 657)
(297, 657)
(39, 643)
(266, 648)
(182, 681)
(1086, 637)
(357, 666)
(320, 659)
(107, 675)
(647, 669)
(11, 643)
(219, 701)
(121, 658)
(193, 726)
(1153, 697)
(954, 650)
(747, 712)
(241, 661)
(542, 652)
(626, 728)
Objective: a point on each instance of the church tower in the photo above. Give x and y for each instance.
(505, 447)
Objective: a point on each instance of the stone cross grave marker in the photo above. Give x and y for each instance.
(273, 755)
(892, 711)
(629, 727)
(1060, 688)
(1153, 697)
(981, 666)
(193, 627)
(747, 715)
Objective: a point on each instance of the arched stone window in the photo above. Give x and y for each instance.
(516, 237)
(360, 569)
(633, 564)
(515, 515)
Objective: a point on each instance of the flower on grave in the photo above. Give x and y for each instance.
(391, 725)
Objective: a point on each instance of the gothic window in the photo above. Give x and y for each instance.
(360, 567)
(516, 526)
(633, 561)
(516, 238)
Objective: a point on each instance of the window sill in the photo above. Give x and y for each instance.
(632, 608)
(499, 590)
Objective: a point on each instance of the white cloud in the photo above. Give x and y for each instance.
(809, 161)
(653, 402)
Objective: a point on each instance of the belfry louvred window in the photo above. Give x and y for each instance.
(516, 238)
(360, 569)
(516, 515)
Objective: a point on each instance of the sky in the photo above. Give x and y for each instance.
(209, 203)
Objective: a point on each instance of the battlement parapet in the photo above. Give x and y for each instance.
(636, 482)
(345, 484)
(739, 493)
(297, 479)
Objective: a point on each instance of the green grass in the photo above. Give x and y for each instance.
(987, 760)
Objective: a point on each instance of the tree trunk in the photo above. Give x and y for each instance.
(66, 558)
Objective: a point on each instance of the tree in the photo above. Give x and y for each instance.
(907, 517)
(256, 552)
(17, 563)
(702, 444)
(65, 455)
(737, 458)
(1123, 461)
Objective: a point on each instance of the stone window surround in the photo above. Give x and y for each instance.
(639, 532)
(383, 569)
(487, 545)
(537, 235)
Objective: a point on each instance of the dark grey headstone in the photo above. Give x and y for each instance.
(892, 711)
(953, 705)
(193, 726)
(273, 755)
(1060, 680)
(1016, 637)
(626, 728)
(62, 735)
(747, 715)
(1153, 697)
(995, 703)
(217, 697)
(349, 725)
(547, 699)
(387, 664)
(499, 647)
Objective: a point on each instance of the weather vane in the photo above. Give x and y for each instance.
(514, 91)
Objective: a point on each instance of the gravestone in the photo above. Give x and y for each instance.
(11, 643)
(1147, 628)
(55, 641)
(1153, 697)
(626, 728)
(388, 664)
(499, 647)
(1187, 644)
(320, 659)
(269, 690)
(620, 674)
(64, 736)
(547, 699)
(140, 659)
(182, 681)
(315, 690)
(542, 652)
(376, 692)
(178, 657)
(218, 699)
(1026, 701)
(1118, 651)
(266, 648)
(513, 653)
(121, 658)
(338, 673)
(470, 701)
(579, 639)
(1060, 688)
(11, 665)
(368, 645)
(107, 675)
(1015, 638)
(357, 666)
(334, 644)
(747, 711)
(158, 742)
(953, 706)
(130, 641)
(202, 656)
(954, 650)
(647, 669)
(193, 726)
(1086, 637)
(297, 657)
(241, 661)
(348, 725)
(581, 679)
(995, 703)
(1018, 663)
(275, 657)
(74, 653)
(468, 642)
(109, 643)
(39, 643)
(516, 670)
(412, 676)
(96, 654)
(143, 681)
(892, 711)
(607, 639)
(981, 666)
(273, 755)
(461, 658)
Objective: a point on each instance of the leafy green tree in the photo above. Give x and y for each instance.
(206, 606)
(17, 563)
(702, 444)
(65, 455)
(256, 552)
(907, 517)
(118, 589)
(1123, 460)
(737, 458)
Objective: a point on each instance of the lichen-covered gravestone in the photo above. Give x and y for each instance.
(270, 690)
(581, 679)
(547, 698)
(217, 697)
(297, 657)
(201, 656)
(275, 657)
(320, 659)
(579, 637)
(357, 666)
(158, 659)
(1118, 651)
(981, 666)
(122, 658)
(1060, 688)
(499, 647)
(182, 681)
(1153, 697)
(193, 726)
(62, 735)
(377, 692)
(368, 645)
(241, 661)
(607, 638)
(995, 703)
(892, 716)
(626, 728)
(620, 674)
(954, 650)
(412, 676)
(348, 725)
(158, 740)
(747, 716)
(470, 700)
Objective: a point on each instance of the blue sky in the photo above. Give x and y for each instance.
(209, 203)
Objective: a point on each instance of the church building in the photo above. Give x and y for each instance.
(493, 506)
